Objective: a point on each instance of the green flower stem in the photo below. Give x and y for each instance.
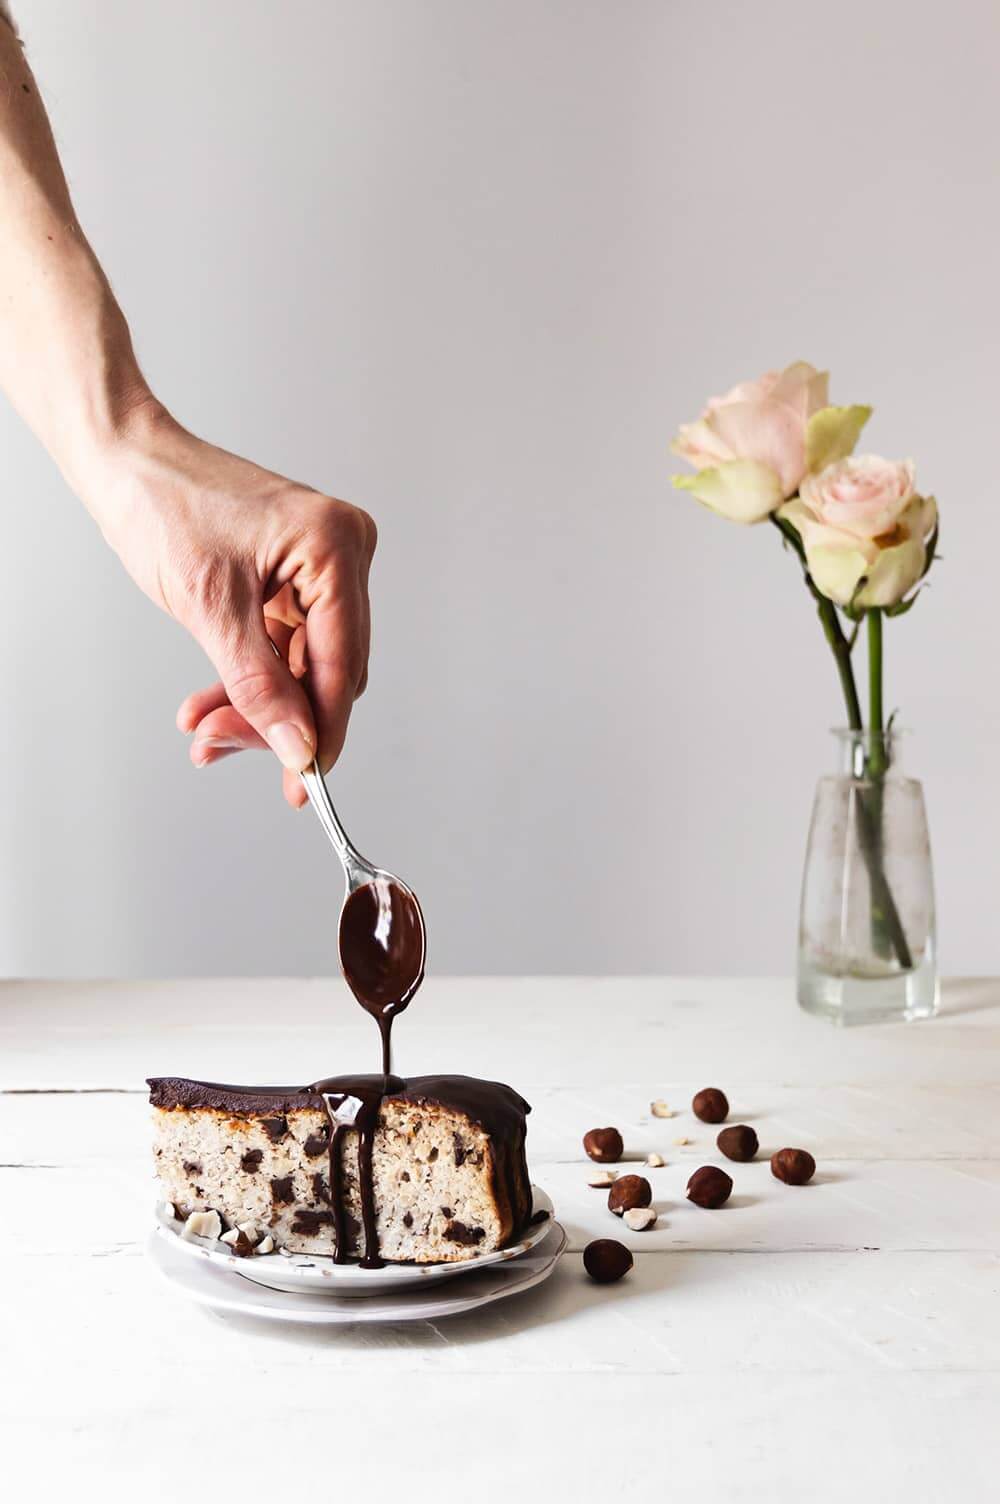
(878, 758)
(841, 649)
(869, 831)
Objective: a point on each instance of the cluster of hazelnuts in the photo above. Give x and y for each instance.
(606, 1259)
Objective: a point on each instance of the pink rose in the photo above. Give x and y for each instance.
(862, 495)
(750, 445)
(864, 529)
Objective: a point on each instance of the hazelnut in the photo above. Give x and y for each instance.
(660, 1110)
(629, 1191)
(602, 1179)
(655, 1161)
(202, 1225)
(606, 1260)
(793, 1166)
(603, 1144)
(638, 1218)
(710, 1105)
(738, 1142)
(710, 1187)
(266, 1244)
(682, 1141)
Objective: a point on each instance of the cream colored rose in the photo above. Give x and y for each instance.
(753, 446)
(864, 528)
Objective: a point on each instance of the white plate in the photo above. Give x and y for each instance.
(227, 1290)
(317, 1274)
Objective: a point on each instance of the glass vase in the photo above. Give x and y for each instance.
(867, 942)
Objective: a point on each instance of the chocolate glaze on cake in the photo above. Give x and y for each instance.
(354, 1102)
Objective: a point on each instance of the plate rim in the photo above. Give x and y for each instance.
(319, 1275)
(396, 1305)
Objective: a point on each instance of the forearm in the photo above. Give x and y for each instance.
(66, 358)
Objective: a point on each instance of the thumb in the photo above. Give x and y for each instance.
(262, 689)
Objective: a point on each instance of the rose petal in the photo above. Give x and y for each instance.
(742, 490)
(803, 388)
(836, 572)
(895, 571)
(832, 433)
(768, 432)
(816, 534)
(700, 445)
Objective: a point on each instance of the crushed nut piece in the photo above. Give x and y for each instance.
(202, 1225)
(655, 1161)
(639, 1218)
(660, 1110)
(601, 1179)
(249, 1230)
(266, 1245)
(682, 1141)
(231, 1237)
(285, 1252)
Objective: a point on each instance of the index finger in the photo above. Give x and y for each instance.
(337, 658)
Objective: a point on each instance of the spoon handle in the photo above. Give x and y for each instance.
(319, 797)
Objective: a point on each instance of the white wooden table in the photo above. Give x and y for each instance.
(840, 1341)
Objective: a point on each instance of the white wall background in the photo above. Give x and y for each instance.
(469, 265)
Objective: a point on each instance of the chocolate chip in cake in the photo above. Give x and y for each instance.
(459, 1147)
(405, 1175)
(432, 1156)
(407, 1219)
(250, 1162)
(457, 1232)
(238, 1243)
(275, 1128)
(282, 1190)
(191, 1167)
(446, 1211)
(315, 1144)
(321, 1191)
(308, 1223)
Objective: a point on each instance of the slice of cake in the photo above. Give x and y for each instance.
(428, 1170)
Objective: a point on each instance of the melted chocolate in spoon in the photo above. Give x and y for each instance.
(382, 952)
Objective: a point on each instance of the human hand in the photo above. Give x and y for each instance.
(242, 558)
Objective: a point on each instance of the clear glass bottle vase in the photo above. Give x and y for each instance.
(867, 941)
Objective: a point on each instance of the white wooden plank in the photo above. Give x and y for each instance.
(530, 1030)
(826, 1438)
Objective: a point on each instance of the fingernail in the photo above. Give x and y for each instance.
(292, 749)
(219, 741)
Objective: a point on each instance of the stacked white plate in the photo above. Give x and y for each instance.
(316, 1290)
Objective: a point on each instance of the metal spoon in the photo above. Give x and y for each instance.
(382, 938)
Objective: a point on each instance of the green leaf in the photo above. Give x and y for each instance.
(832, 433)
